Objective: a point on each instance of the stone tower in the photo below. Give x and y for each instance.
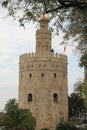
(43, 81)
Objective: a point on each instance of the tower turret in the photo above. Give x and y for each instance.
(43, 37)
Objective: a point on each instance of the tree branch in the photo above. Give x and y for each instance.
(67, 4)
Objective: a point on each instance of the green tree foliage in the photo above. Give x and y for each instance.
(76, 104)
(65, 126)
(83, 63)
(11, 104)
(45, 129)
(83, 60)
(78, 87)
(77, 28)
(81, 88)
(70, 16)
(17, 118)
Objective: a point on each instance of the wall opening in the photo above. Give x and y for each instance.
(42, 75)
(55, 97)
(30, 75)
(54, 75)
(29, 97)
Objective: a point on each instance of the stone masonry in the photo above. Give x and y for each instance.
(43, 81)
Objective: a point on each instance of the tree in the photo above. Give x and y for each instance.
(76, 104)
(83, 63)
(11, 104)
(78, 28)
(63, 125)
(81, 88)
(70, 16)
(17, 118)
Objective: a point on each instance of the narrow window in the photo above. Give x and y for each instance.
(39, 65)
(30, 75)
(42, 75)
(52, 50)
(55, 97)
(54, 75)
(29, 97)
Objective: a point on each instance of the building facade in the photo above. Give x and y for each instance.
(43, 80)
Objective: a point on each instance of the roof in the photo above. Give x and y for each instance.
(43, 18)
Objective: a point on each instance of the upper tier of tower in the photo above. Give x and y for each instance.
(43, 22)
(43, 37)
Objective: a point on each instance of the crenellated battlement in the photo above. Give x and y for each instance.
(27, 55)
(51, 55)
(59, 56)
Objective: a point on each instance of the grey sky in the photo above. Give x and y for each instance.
(14, 40)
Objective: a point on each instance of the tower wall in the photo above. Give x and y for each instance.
(54, 81)
(43, 86)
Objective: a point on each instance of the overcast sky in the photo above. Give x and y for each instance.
(14, 41)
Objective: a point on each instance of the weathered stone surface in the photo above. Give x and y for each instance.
(43, 86)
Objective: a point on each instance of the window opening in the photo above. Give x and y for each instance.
(52, 50)
(30, 75)
(29, 97)
(55, 97)
(39, 65)
(54, 75)
(42, 75)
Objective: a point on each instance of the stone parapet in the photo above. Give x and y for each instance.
(50, 55)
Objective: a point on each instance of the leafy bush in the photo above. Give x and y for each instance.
(63, 125)
(45, 129)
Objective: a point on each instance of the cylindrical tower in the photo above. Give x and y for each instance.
(43, 80)
(43, 37)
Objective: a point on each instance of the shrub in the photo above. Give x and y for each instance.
(45, 129)
(63, 125)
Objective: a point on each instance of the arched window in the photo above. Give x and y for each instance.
(55, 97)
(29, 97)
